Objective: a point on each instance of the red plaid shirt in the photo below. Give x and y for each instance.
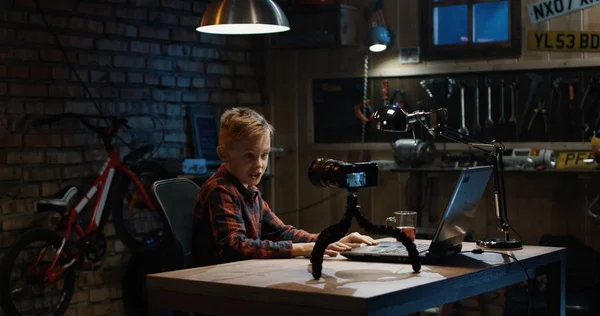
(232, 222)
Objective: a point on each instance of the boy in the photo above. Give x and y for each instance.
(231, 220)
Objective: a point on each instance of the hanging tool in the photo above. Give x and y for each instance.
(535, 82)
(513, 118)
(539, 110)
(489, 122)
(571, 85)
(559, 129)
(589, 111)
(570, 82)
(558, 83)
(563, 117)
(596, 130)
(463, 123)
(399, 99)
(384, 92)
(501, 119)
(556, 95)
(476, 126)
(591, 82)
(555, 114)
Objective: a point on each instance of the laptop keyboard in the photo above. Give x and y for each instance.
(402, 250)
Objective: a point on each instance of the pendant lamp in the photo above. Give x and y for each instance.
(231, 17)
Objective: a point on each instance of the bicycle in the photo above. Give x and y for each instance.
(110, 193)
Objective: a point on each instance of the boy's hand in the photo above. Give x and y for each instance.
(338, 247)
(355, 239)
(305, 249)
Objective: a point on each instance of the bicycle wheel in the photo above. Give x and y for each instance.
(136, 225)
(22, 287)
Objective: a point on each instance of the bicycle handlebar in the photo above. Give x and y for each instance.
(116, 122)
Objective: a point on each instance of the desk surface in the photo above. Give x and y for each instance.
(353, 286)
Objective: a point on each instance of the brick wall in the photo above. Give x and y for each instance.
(138, 57)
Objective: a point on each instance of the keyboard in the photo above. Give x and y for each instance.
(402, 250)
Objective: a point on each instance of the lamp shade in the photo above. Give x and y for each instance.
(391, 118)
(378, 38)
(243, 17)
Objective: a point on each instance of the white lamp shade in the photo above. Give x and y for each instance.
(243, 17)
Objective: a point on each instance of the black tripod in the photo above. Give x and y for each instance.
(339, 230)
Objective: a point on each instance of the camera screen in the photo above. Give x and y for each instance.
(356, 180)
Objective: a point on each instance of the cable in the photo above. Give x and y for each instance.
(529, 280)
(162, 140)
(516, 232)
(154, 117)
(62, 50)
(313, 204)
(365, 83)
(94, 102)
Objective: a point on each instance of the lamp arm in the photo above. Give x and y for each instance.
(488, 148)
(493, 149)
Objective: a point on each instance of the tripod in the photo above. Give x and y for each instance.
(337, 231)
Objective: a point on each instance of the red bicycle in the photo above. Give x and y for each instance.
(43, 259)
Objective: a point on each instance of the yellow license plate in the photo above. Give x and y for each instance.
(575, 159)
(564, 41)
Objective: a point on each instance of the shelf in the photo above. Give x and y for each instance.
(558, 146)
(567, 171)
(391, 166)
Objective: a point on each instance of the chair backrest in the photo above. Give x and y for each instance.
(177, 197)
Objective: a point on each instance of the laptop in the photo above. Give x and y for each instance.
(451, 231)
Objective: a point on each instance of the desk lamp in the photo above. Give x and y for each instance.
(394, 119)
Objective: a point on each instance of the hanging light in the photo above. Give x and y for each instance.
(378, 38)
(243, 17)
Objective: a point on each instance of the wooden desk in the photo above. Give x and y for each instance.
(286, 287)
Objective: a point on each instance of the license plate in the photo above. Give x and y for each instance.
(575, 159)
(544, 10)
(563, 41)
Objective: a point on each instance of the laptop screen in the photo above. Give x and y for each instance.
(461, 208)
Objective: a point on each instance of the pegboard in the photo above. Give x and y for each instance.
(566, 115)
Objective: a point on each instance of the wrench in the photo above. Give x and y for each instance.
(593, 81)
(585, 93)
(535, 82)
(476, 126)
(463, 123)
(501, 120)
(512, 119)
(556, 96)
(489, 122)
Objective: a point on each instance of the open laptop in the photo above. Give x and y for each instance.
(451, 230)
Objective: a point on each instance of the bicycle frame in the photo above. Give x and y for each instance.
(101, 189)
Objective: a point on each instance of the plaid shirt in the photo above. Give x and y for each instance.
(232, 222)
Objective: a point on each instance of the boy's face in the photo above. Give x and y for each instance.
(247, 159)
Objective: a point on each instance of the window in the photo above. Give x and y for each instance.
(454, 29)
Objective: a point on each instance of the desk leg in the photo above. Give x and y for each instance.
(153, 306)
(556, 287)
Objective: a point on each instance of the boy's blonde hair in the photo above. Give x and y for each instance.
(239, 123)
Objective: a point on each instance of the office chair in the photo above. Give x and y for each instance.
(177, 197)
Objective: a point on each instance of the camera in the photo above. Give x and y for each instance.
(338, 174)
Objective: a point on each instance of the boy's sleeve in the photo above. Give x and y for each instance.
(230, 233)
(274, 229)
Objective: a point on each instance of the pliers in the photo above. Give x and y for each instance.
(539, 110)
(596, 131)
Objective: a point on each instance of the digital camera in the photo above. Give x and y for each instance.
(339, 174)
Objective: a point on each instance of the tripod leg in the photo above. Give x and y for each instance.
(413, 254)
(327, 236)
